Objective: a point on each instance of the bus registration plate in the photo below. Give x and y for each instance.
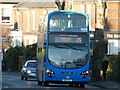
(67, 80)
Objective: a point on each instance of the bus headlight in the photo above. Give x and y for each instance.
(28, 71)
(49, 71)
(85, 74)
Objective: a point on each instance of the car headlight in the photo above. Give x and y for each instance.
(28, 71)
(49, 71)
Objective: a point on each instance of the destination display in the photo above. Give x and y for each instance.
(68, 39)
(63, 38)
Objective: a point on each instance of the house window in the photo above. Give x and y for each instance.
(27, 42)
(28, 20)
(6, 15)
(89, 9)
(33, 41)
(5, 18)
(18, 20)
(82, 8)
(33, 15)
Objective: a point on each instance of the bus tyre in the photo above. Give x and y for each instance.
(71, 84)
(82, 85)
(39, 83)
(76, 84)
(46, 84)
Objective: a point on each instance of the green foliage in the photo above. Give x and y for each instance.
(30, 51)
(118, 68)
(12, 57)
(113, 67)
(13, 53)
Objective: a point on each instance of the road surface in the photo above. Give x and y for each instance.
(13, 81)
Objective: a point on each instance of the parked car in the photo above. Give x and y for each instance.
(28, 70)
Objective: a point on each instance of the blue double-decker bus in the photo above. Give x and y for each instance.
(64, 49)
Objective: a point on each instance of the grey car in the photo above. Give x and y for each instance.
(29, 70)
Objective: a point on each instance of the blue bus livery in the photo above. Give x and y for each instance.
(64, 49)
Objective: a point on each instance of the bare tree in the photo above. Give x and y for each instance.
(64, 5)
(61, 5)
(101, 5)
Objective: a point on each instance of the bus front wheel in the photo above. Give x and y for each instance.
(74, 84)
(82, 85)
(71, 84)
(46, 84)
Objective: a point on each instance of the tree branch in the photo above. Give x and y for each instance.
(60, 6)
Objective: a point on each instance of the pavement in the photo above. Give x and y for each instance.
(106, 84)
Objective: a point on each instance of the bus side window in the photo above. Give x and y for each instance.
(44, 50)
(44, 46)
(44, 60)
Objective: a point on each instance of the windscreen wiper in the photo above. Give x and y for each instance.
(59, 46)
(68, 46)
(75, 48)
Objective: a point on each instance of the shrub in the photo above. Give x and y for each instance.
(113, 67)
(30, 51)
(11, 56)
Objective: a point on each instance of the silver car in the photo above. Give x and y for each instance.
(29, 70)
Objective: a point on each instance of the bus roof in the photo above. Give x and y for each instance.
(69, 11)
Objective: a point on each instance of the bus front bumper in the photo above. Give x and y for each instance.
(66, 78)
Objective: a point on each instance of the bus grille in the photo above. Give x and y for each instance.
(67, 72)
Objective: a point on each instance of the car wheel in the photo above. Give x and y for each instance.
(22, 77)
(46, 84)
(39, 82)
(26, 78)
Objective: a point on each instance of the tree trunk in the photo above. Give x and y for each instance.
(61, 5)
(100, 14)
(68, 5)
(99, 47)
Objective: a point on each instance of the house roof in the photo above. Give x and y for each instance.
(35, 5)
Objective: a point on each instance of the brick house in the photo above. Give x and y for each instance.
(86, 7)
(112, 21)
(6, 22)
(27, 17)
(112, 29)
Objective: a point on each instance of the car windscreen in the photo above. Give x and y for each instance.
(31, 64)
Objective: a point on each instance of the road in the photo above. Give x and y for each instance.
(13, 81)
